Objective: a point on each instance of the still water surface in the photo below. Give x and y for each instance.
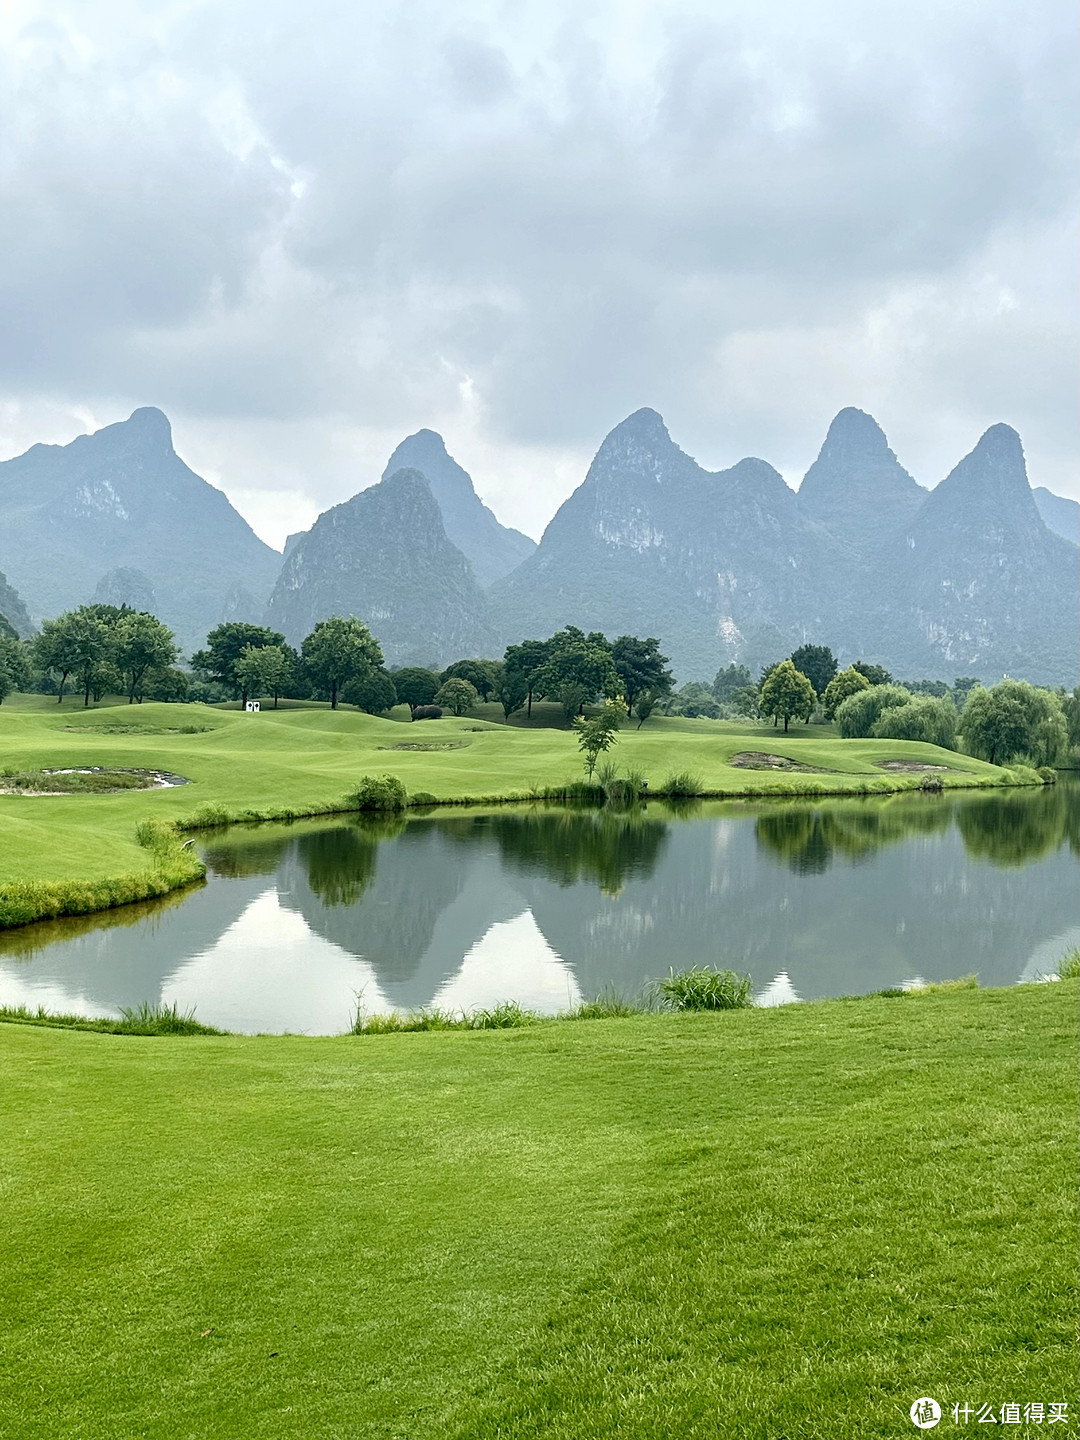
(462, 909)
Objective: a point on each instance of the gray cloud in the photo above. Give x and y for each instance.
(346, 222)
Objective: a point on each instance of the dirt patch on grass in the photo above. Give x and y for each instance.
(427, 745)
(86, 780)
(759, 760)
(122, 729)
(910, 767)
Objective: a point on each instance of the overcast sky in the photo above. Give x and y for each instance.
(306, 229)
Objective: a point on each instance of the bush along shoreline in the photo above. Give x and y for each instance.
(700, 989)
(175, 864)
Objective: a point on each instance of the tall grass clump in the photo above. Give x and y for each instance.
(144, 1019)
(378, 792)
(506, 1015)
(681, 785)
(608, 1005)
(621, 790)
(704, 988)
(1069, 966)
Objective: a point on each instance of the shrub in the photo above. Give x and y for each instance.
(704, 988)
(922, 718)
(858, 714)
(378, 792)
(427, 712)
(681, 783)
(423, 797)
(1047, 774)
(204, 816)
(155, 834)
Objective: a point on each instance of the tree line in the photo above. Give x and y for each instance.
(107, 649)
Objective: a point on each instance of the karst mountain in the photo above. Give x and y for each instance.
(977, 576)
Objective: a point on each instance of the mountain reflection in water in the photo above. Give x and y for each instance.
(547, 906)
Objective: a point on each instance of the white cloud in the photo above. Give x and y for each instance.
(305, 230)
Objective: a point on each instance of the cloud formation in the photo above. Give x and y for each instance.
(306, 229)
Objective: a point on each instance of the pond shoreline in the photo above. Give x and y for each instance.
(23, 902)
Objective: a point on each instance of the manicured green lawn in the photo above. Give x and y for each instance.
(785, 1223)
(309, 755)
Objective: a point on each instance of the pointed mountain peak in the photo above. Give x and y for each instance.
(151, 421)
(406, 480)
(856, 487)
(146, 430)
(491, 548)
(645, 426)
(855, 434)
(990, 481)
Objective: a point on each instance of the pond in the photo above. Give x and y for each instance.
(463, 908)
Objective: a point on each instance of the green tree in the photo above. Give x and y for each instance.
(76, 643)
(1070, 707)
(415, 686)
(817, 663)
(143, 645)
(457, 696)
(224, 646)
(645, 704)
(876, 674)
(746, 701)
(15, 662)
(962, 688)
(579, 669)
(926, 717)
(171, 685)
(522, 663)
(848, 682)
(695, 700)
(512, 692)
(728, 680)
(1014, 719)
(374, 692)
(859, 713)
(482, 675)
(263, 670)
(338, 650)
(640, 666)
(787, 694)
(598, 733)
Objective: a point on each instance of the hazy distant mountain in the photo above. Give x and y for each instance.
(714, 565)
(984, 586)
(13, 610)
(492, 549)
(122, 499)
(856, 488)
(965, 579)
(384, 556)
(1060, 515)
(124, 586)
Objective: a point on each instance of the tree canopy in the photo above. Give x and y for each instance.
(224, 646)
(415, 686)
(817, 663)
(787, 694)
(1014, 720)
(848, 682)
(338, 650)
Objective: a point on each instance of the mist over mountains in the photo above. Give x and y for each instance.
(979, 576)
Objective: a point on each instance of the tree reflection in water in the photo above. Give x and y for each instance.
(1006, 828)
(604, 847)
